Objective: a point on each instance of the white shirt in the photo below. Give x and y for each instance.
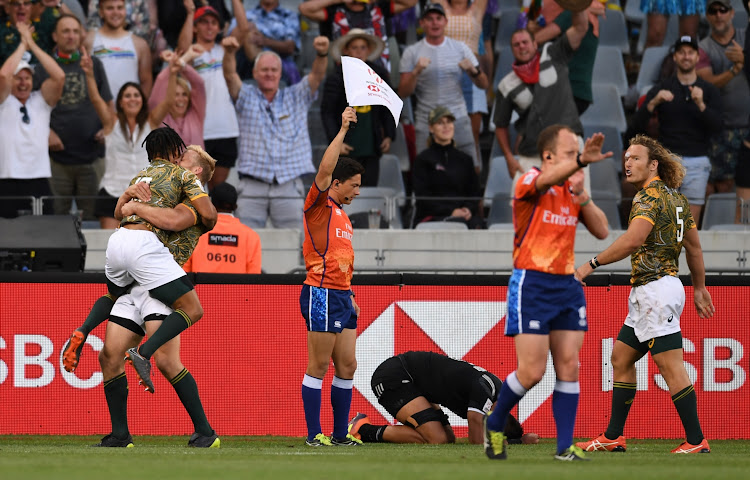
(24, 150)
(124, 158)
(221, 119)
(119, 58)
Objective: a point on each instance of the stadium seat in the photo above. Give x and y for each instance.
(609, 68)
(740, 18)
(441, 226)
(504, 65)
(498, 180)
(611, 208)
(378, 198)
(612, 141)
(720, 210)
(613, 31)
(606, 110)
(390, 176)
(651, 62)
(633, 12)
(604, 180)
(315, 127)
(501, 211)
(399, 148)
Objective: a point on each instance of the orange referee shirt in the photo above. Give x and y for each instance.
(231, 247)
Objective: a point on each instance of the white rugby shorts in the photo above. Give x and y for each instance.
(654, 309)
(139, 255)
(137, 305)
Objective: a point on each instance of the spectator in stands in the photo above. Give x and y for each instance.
(123, 137)
(173, 14)
(76, 145)
(140, 16)
(414, 387)
(465, 25)
(220, 130)
(444, 171)
(24, 123)
(539, 90)
(230, 247)
(721, 64)
(581, 65)
(336, 17)
(126, 57)
(432, 70)
(274, 146)
(188, 110)
(658, 12)
(272, 27)
(689, 113)
(375, 127)
(43, 24)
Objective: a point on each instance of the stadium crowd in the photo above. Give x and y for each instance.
(502, 70)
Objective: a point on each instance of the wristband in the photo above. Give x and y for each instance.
(579, 162)
(479, 72)
(588, 200)
(594, 263)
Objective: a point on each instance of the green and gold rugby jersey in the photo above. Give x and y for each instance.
(170, 185)
(669, 212)
(181, 244)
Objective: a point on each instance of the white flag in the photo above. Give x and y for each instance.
(365, 87)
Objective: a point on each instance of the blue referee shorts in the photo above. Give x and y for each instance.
(540, 302)
(327, 310)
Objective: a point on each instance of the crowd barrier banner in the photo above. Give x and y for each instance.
(248, 355)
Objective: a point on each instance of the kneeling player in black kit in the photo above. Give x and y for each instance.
(412, 387)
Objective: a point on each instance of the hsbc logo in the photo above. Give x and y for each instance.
(373, 88)
(442, 322)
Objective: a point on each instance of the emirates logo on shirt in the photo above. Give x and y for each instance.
(223, 239)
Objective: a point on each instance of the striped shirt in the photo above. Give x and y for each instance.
(274, 143)
(440, 82)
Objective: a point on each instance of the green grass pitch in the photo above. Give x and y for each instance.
(282, 458)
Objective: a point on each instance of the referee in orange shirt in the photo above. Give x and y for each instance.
(231, 247)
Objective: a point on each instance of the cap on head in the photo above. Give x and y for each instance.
(439, 112)
(23, 65)
(686, 40)
(224, 196)
(433, 7)
(207, 10)
(376, 44)
(723, 3)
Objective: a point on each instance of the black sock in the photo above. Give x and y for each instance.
(174, 324)
(98, 314)
(186, 388)
(116, 393)
(686, 404)
(623, 395)
(372, 433)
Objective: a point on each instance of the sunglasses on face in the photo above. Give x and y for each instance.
(714, 11)
(25, 119)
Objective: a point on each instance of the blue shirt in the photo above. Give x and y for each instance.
(278, 24)
(274, 142)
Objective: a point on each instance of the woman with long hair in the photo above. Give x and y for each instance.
(123, 137)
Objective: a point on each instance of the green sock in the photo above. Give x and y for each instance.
(172, 326)
(186, 388)
(623, 395)
(98, 314)
(686, 404)
(116, 393)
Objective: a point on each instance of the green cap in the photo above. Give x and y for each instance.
(439, 112)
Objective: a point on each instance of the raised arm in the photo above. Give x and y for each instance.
(6, 72)
(592, 152)
(186, 32)
(102, 108)
(145, 74)
(401, 5)
(229, 66)
(316, 9)
(331, 156)
(158, 112)
(52, 87)
(320, 64)
(578, 30)
(243, 26)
